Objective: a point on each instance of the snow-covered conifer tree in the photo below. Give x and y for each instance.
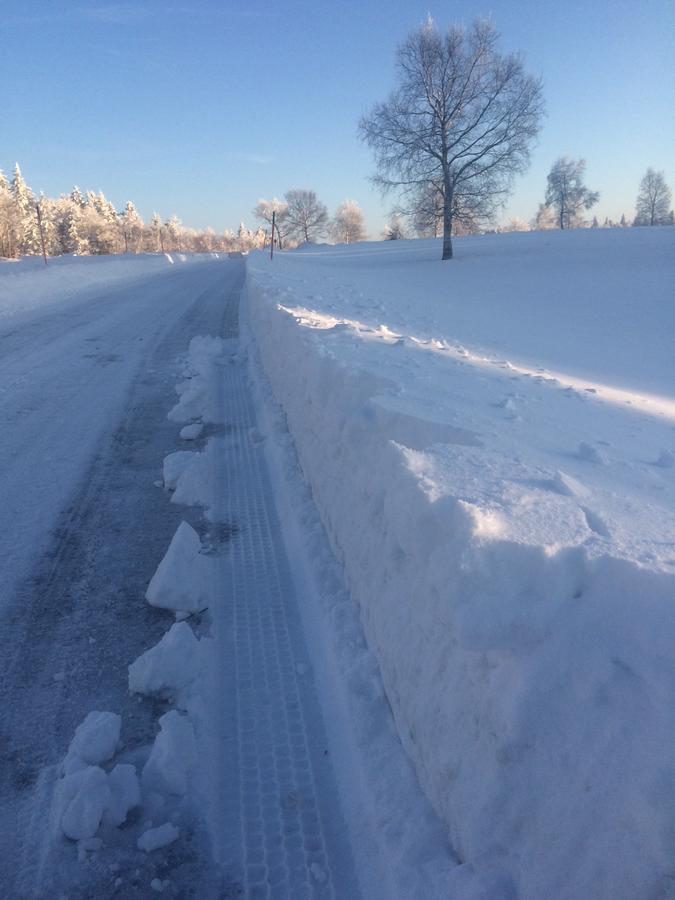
(7, 219)
(131, 226)
(156, 228)
(27, 230)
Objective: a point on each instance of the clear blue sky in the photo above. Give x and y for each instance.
(200, 108)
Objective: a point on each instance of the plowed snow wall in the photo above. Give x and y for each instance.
(532, 689)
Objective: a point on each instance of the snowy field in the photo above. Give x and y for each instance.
(491, 446)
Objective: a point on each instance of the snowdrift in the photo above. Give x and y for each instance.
(26, 283)
(490, 445)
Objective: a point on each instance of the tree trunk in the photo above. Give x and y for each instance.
(447, 218)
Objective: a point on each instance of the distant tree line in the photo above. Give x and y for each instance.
(88, 224)
(567, 199)
(301, 218)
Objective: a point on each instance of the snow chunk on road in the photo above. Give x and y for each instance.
(192, 403)
(170, 665)
(181, 580)
(173, 755)
(125, 794)
(191, 432)
(83, 797)
(95, 741)
(174, 466)
(155, 838)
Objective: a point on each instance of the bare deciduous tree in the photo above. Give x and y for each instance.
(653, 200)
(566, 191)
(306, 216)
(263, 212)
(463, 118)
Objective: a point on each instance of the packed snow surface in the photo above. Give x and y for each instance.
(490, 445)
(28, 286)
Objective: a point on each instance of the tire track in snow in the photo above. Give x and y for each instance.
(278, 826)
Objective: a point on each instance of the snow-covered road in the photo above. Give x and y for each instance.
(303, 783)
(84, 392)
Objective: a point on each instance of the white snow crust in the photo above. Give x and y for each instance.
(489, 445)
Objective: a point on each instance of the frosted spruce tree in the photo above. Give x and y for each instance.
(131, 226)
(7, 219)
(156, 230)
(27, 231)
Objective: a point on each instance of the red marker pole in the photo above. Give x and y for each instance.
(272, 241)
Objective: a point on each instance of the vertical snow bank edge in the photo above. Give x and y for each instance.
(532, 688)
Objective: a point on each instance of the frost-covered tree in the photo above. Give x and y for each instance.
(78, 197)
(515, 224)
(653, 200)
(306, 217)
(463, 117)
(27, 231)
(157, 229)
(82, 223)
(567, 193)
(8, 219)
(545, 218)
(173, 231)
(69, 228)
(131, 226)
(348, 224)
(394, 230)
